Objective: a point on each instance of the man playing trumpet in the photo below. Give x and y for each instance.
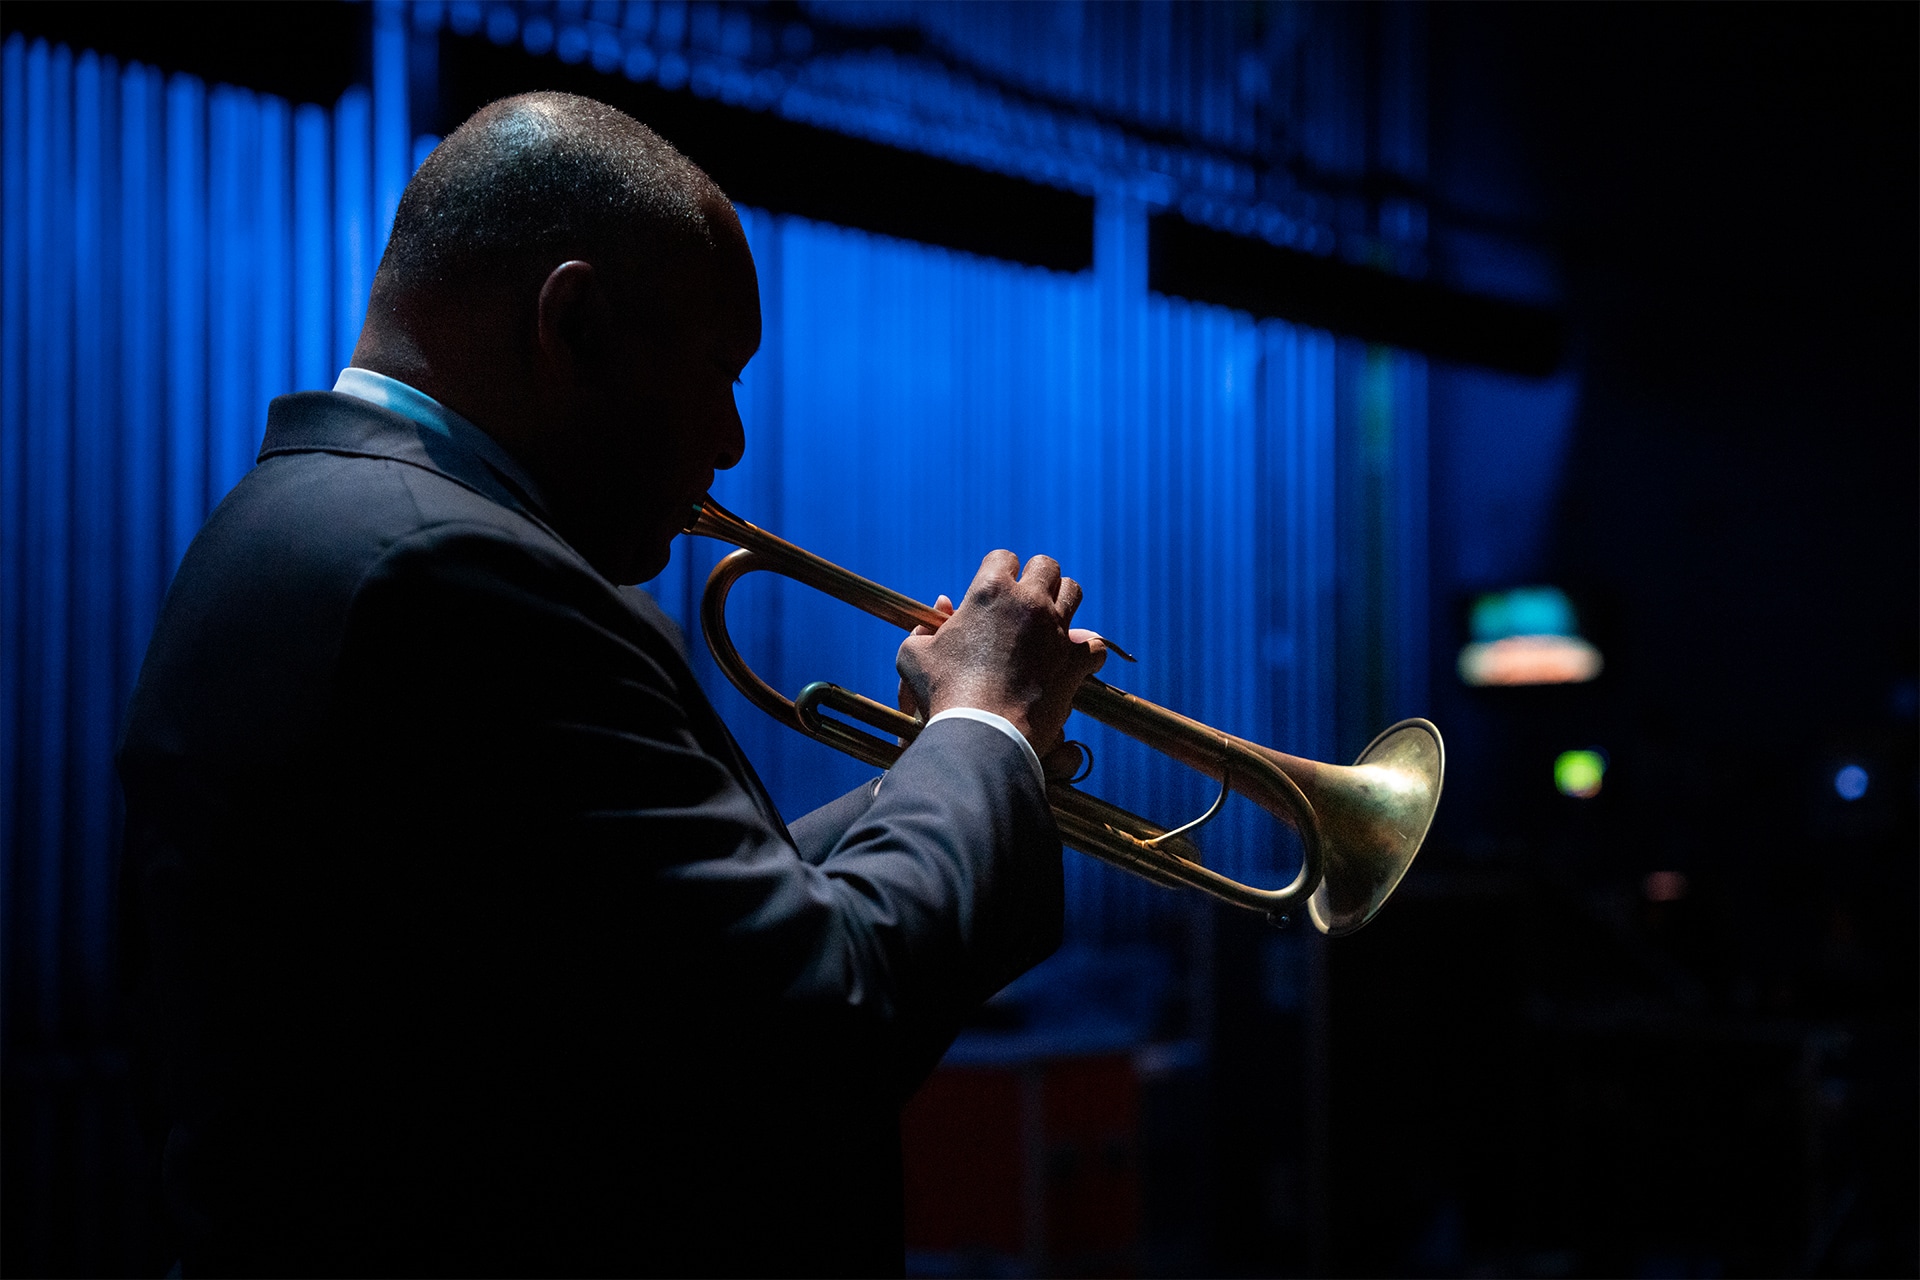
(464, 938)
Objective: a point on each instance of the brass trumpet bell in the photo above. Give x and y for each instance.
(1359, 825)
(1373, 816)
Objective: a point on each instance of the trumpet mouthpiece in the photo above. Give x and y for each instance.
(694, 512)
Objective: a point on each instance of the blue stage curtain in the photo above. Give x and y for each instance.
(175, 255)
(178, 254)
(1238, 498)
(170, 264)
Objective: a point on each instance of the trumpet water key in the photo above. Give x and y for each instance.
(1359, 825)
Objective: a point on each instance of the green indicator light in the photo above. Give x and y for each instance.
(1578, 773)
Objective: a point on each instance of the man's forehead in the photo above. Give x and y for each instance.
(710, 299)
(721, 273)
(736, 287)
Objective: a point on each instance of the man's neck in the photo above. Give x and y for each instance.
(453, 353)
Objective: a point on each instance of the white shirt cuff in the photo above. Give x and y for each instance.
(1005, 726)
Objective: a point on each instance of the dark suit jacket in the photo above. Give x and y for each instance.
(464, 937)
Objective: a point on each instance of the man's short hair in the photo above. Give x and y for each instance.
(533, 180)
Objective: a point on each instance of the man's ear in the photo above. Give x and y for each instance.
(572, 319)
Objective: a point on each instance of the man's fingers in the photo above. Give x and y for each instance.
(1063, 762)
(910, 661)
(1068, 599)
(911, 698)
(942, 606)
(1043, 572)
(995, 564)
(1093, 649)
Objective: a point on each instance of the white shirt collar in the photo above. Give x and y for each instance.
(391, 393)
(423, 410)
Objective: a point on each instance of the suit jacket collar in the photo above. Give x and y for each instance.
(330, 422)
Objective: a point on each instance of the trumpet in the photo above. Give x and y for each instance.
(1359, 825)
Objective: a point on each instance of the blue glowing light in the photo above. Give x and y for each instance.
(1523, 611)
(502, 23)
(1850, 783)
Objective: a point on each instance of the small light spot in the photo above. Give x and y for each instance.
(639, 64)
(502, 23)
(1579, 773)
(573, 43)
(606, 52)
(537, 35)
(1850, 782)
(1665, 886)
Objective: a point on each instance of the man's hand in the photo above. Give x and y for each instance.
(1007, 649)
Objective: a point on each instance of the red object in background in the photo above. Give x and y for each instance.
(1035, 1164)
(965, 1157)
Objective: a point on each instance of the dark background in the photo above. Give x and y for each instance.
(1536, 1064)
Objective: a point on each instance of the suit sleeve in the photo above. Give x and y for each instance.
(817, 834)
(566, 772)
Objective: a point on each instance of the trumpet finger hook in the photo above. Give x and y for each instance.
(1226, 785)
(1112, 648)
